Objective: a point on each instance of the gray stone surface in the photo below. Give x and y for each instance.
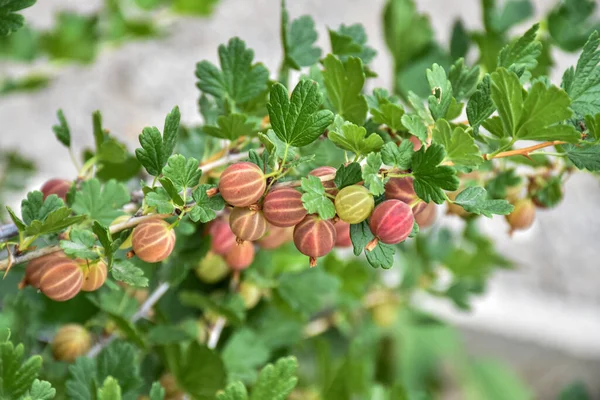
(551, 298)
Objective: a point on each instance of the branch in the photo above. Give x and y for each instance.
(523, 151)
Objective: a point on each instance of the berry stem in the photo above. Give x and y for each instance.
(372, 244)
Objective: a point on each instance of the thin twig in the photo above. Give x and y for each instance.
(215, 333)
(522, 151)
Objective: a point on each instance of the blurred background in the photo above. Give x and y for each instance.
(543, 318)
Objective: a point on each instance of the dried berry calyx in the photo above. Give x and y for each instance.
(59, 187)
(354, 204)
(71, 341)
(94, 276)
(283, 207)
(61, 279)
(328, 184)
(275, 237)
(242, 184)
(222, 239)
(391, 222)
(314, 237)
(522, 216)
(247, 224)
(241, 256)
(153, 240)
(212, 268)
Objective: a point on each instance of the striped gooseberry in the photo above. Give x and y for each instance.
(241, 256)
(247, 224)
(391, 222)
(242, 184)
(328, 184)
(61, 279)
(342, 230)
(275, 237)
(59, 187)
(71, 341)
(314, 237)
(94, 276)
(221, 236)
(153, 240)
(354, 204)
(283, 207)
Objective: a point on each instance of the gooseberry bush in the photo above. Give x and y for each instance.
(183, 269)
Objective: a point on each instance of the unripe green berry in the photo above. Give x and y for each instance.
(212, 268)
(354, 204)
(250, 293)
(242, 184)
(71, 341)
(153, 240)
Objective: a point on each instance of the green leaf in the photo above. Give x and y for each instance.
(514, 12)
(102, 232)
(62, 131)
(536, 117)
(231, 308)
(112, 151)
(80, 244)
(415, 126)
(314, 198)
(243, 354)
(354, 138)
(583, 83)
(299, 40)
(16, 220)
(204, 210)
(440, 100)
(125, 271)
(480, 105)
(231, 127)
(9, 21)
(157, 149)
(584, 156)
(200, 371)
(344, 83)
(430, 177)
(521, 55)
(571, 22)
(463, 79)
(351, 41)
(82, 379)
(497, 186)
(347, 175)
(307, 291)
(110, 390)
(40, 390)
(386, 110)
(56, 221)
(382, 256)
(183, 173)
(475, 200)
(399, 156)
(102, 203)
(239, 80)
(592, 124)
(35, 207)
(460, 146)
(276, 382)
(550, 193)
(161, 200)
(74, 37)
(361, 235)
(371, 174)
(298, 121)
(16, 374)
(157, 392)
(575, 391)
(234, 391)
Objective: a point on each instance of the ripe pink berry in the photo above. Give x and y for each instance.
(62, 279)
(59, 187)
(242, 184)
(241, 256)
(401, 189)
(416, 142)
(426, 217)
(247, 224)
(222, 239)
(275, 237)
(329, 186)
(343, 234)
(391, 222)
(283, 207)
(153, 240)
(314, 237)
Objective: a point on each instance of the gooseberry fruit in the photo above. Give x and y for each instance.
(250, 294)
(94, 276)
(153, 240)
(522, 216)
(59, 187)
(283, 207)
(354, 204)
(71, 341)
(61, 279)
(314, 237)
(241, 256)
(36, 267)
(212, 268)
(401, 189)
(417, 144)
(342, 230)
(426, 217)
(385, 315)
(329, 185)
(242, 184)
(275, 237)
(222, 238)
(391, 222)
(247, 224)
